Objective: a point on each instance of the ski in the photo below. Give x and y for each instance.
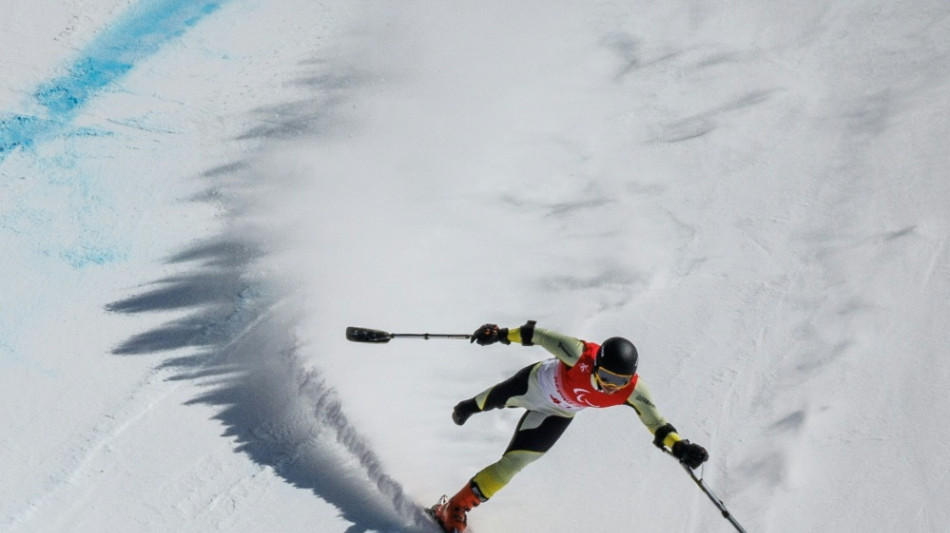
(434, 510)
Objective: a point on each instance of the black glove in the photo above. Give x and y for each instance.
(490, 334)
(691, 455)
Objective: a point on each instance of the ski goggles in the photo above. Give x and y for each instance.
(608, 379)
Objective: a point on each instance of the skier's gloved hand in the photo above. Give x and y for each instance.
(692, 455)
(490, 334)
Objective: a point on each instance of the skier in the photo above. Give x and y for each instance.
(581, 375)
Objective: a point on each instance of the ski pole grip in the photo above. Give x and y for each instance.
(374, 336)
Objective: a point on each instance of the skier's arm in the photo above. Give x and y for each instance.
(566, 348)
(664, 434)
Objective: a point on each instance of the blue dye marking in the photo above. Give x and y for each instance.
(83, 256)
(138, 34)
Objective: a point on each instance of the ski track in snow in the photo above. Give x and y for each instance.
(281, 414)
(87, 454)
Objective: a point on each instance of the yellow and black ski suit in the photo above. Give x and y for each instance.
(553, 391)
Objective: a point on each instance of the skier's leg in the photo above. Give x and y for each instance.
(535, 435)
(495, 397)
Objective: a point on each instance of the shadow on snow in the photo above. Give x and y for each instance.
(238, 340)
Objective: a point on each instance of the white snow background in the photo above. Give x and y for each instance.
(197, 197)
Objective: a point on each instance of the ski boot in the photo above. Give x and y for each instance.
(463, 410)
(452, 514)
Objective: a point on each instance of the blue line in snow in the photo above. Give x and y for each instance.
(136, 35)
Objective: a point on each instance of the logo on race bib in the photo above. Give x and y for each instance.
(581, 395)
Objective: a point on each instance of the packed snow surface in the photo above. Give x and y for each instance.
(197, 197)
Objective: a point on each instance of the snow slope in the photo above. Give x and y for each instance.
(197, 198)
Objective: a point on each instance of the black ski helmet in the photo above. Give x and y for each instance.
(617, 355)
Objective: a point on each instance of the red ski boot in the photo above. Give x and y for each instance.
(452, 514)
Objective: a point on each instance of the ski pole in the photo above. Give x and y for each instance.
(377, 336)
(715, 499)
